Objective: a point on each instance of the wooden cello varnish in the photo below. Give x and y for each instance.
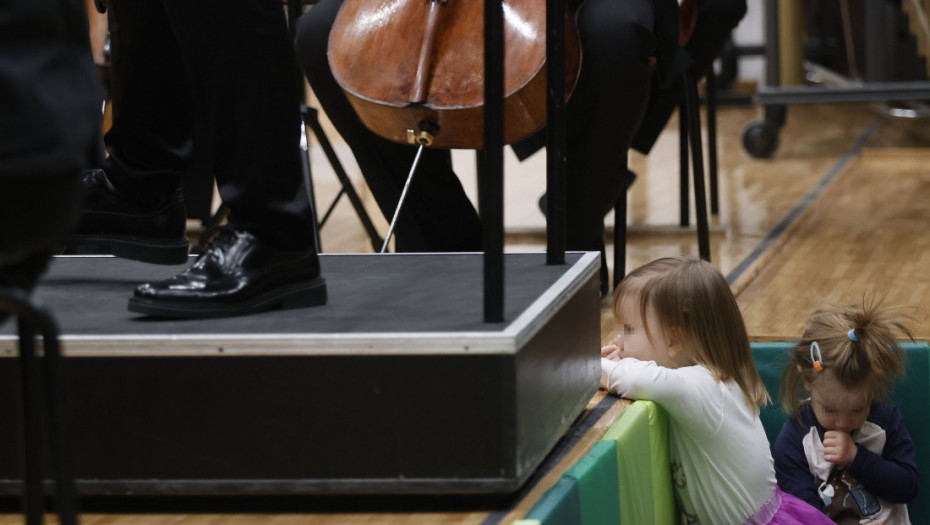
(403, 63)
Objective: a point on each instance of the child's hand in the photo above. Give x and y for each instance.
(839, 448)
(611, 352)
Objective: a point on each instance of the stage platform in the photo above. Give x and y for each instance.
(396, 386)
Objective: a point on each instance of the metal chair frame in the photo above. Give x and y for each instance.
(41, 382)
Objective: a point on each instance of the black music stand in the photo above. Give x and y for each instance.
(491, 167)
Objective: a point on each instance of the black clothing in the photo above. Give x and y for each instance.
(228, 66)
(50, 97)
(716, 21)
(232, 63)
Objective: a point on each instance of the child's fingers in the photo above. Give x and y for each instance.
(610, 352)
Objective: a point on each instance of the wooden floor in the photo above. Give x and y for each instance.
(839, 211)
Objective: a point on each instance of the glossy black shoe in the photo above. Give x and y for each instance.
(238, 274)
(111, 224)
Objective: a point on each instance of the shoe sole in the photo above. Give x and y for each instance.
(302, 296)
(154, 251)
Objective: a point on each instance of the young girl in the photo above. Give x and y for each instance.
(684, 346)
(844, 451)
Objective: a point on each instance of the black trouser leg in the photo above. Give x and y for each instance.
(149, 142)
(233, 63)
(605, 110)
(716, 20)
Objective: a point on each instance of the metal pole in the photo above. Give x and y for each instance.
(555, 132)
(492, 181)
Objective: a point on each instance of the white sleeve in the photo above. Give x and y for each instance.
(689, 394)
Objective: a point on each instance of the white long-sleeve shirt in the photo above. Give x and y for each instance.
(722, 467)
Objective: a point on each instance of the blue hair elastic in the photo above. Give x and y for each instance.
(852, 334)
(818, 362)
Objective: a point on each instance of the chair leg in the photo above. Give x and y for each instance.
(311, 119)
(694, 131)
(620, 238)
(33, 321)
(683, 170)
(31, 426)
(710, 83)
(308, 184)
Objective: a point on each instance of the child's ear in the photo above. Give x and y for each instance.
(674, 342)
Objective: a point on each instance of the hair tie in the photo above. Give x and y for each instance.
(818, 362)
(852, 334)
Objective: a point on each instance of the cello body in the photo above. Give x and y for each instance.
(404, 64)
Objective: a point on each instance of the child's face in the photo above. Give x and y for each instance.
(632, 340)
(836, 406)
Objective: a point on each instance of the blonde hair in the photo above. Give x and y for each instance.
(691, 297)
(870, 356)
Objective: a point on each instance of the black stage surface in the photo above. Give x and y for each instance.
(395, 386)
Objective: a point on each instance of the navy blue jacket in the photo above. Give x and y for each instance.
(892, 475)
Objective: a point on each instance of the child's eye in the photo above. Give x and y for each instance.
(627, 329)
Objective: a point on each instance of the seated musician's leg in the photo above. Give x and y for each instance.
(618, 44)
(716, 20)
(437, 216)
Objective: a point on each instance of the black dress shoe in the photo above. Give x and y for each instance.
(109, 223)
(238, 274)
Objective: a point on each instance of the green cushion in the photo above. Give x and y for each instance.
(771, 359)
(645, 481)
(559, 505)
(662, 489)
(911, 396)
(596, 475)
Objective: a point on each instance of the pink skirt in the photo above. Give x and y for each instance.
(785, 509)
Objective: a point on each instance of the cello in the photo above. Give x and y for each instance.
(414, 69)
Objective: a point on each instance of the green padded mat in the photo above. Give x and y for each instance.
(560, 505)
(646, 494)
(597, 478)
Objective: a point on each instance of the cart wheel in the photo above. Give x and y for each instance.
(760, 139)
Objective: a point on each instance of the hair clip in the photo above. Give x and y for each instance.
(852, 334)
(818, 363)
